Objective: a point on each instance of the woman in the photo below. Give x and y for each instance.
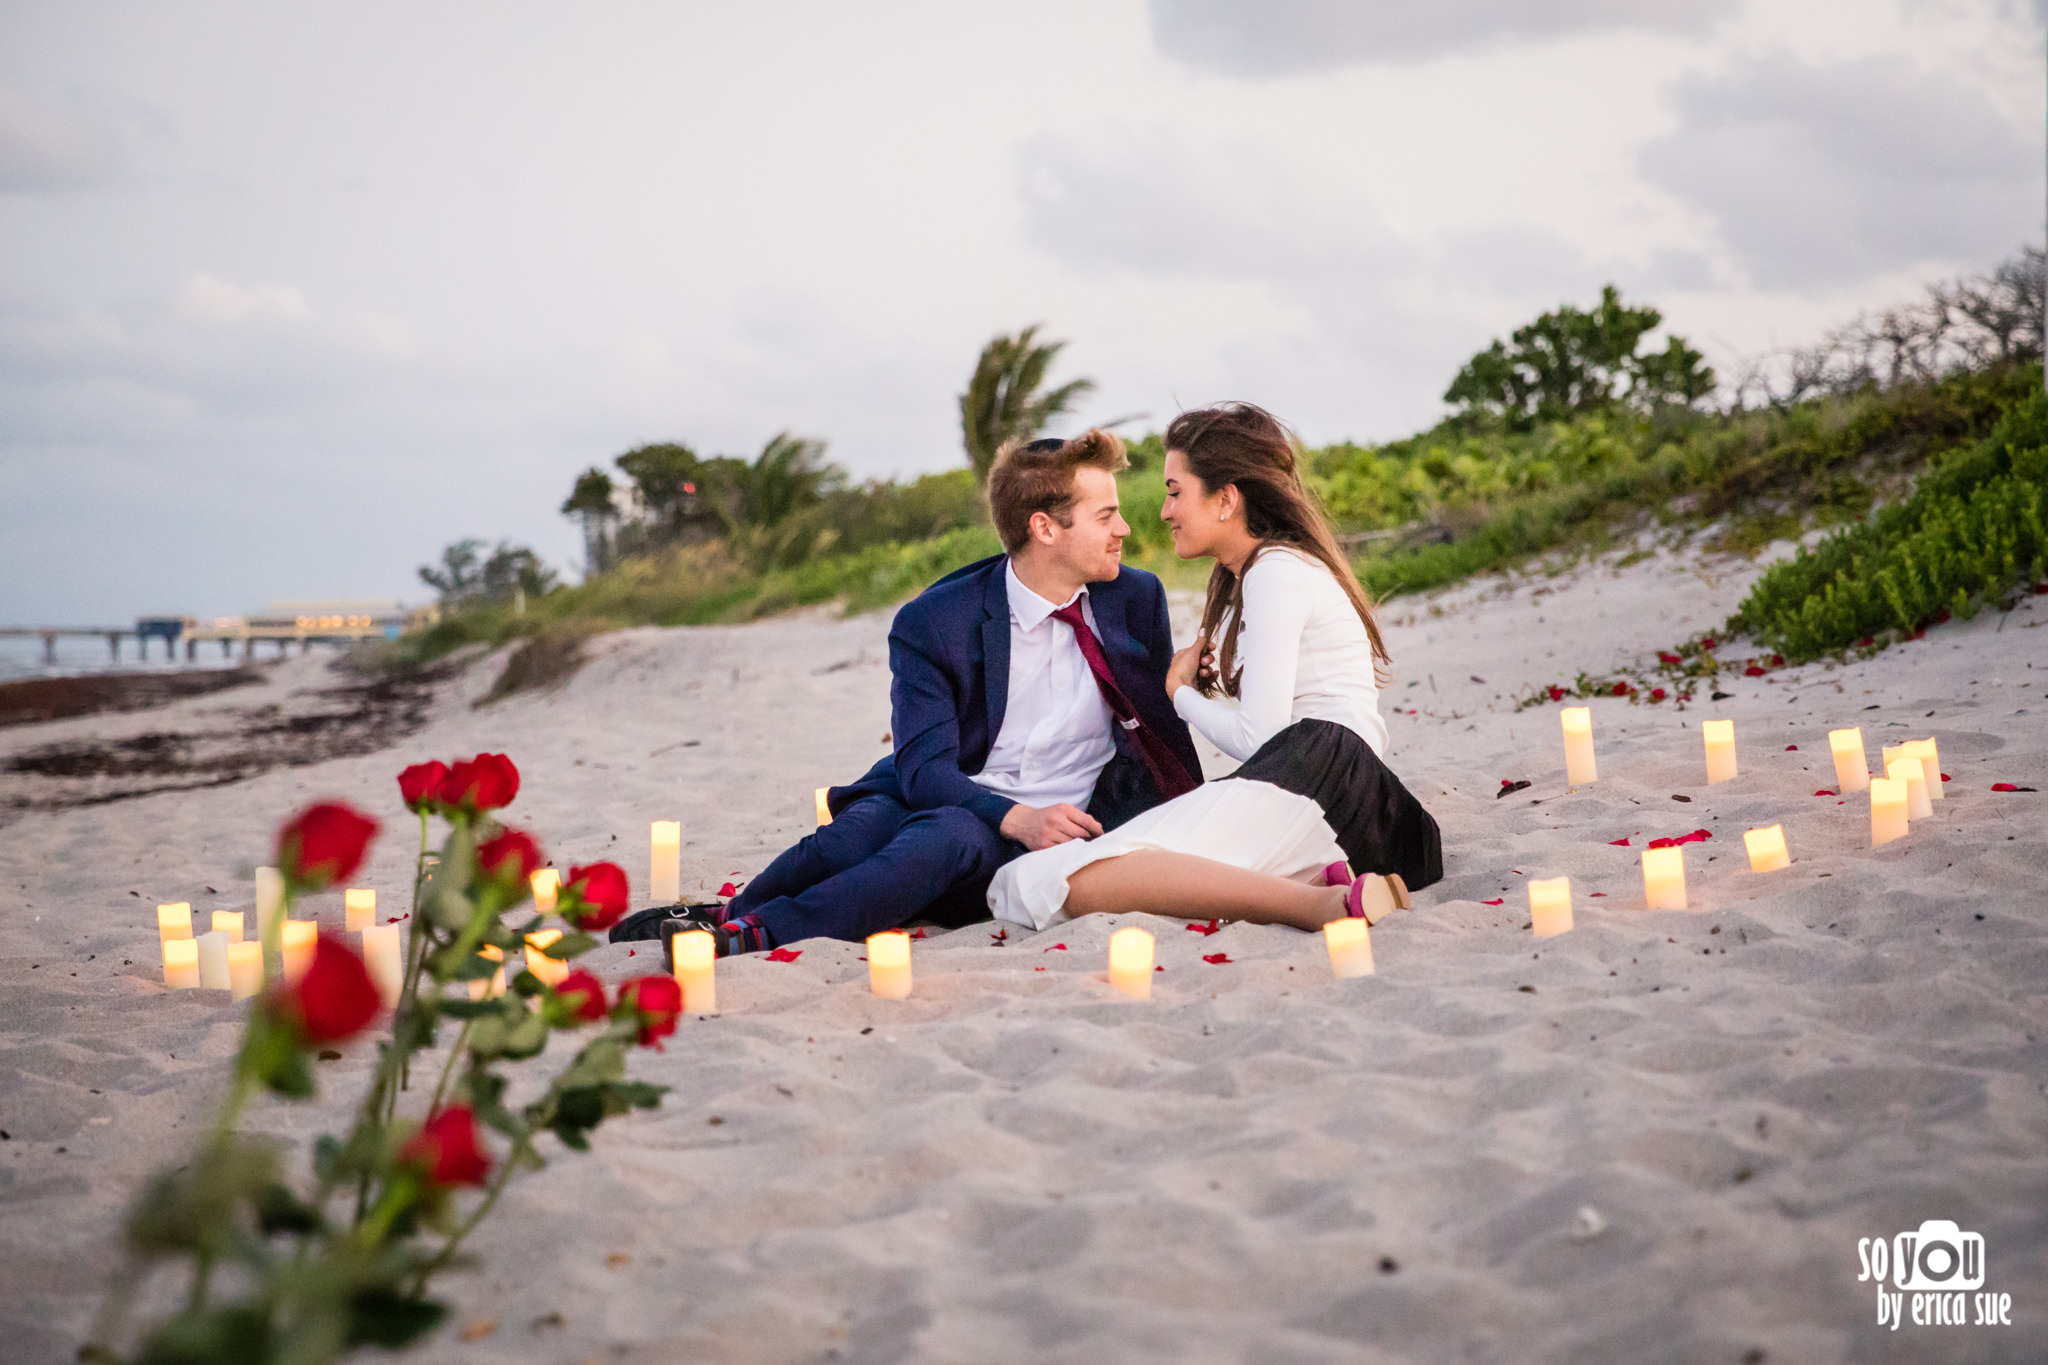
(1289, 641)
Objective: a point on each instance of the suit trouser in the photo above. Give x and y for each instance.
(877, 864)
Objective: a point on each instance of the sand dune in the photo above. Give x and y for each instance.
(1656, 1138)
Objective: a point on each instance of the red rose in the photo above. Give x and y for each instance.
(1656, 694)
(1754, 671)
(486, 782)
(597, 898)
(1557, 694)
(583, 994)
(446, 1151)
(335, 999)
(1666, 657)
(420, 785)
(658, 1000)
(510, 859)
(323, 845)
(1621, 689)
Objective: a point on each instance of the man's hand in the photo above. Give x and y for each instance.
(1041, 827)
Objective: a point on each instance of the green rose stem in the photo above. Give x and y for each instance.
(520, 1150)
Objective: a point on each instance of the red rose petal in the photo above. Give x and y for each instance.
(1216, 959)
(1057, 948)
(1791, 748)
(1596, 893)
(920, 934)
(1495, 901)
(1159, 969)
(785, 954)
(728, 891)
(1619, 843)
(1754, 672)
(1823, 792)
(1946, 778)
(1209, 928)
(1000, 936)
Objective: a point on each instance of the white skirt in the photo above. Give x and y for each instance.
(1239, 821)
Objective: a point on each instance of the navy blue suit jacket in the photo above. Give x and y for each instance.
(949, 661)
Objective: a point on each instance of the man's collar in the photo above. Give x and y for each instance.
(1027, 606)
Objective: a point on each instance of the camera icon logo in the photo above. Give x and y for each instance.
(1938, 1257)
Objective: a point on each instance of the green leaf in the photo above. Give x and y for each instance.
(327, 1155)
(279, 1210)
(383, 1317)
(526, 1038)
(210, 1337)
(570, 945)
(459, 1008)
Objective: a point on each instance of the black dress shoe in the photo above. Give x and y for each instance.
(652, 924)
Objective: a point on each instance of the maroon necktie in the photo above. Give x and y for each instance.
(1166, 767)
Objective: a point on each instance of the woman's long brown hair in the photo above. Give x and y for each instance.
(1243, 444)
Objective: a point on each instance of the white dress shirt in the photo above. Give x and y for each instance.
(1055, 739)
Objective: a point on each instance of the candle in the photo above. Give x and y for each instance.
(383, 955)
(546, 883)
(269, 900)
(493, 985)
(245, 969)
(1350, 945)
(1767, 849)
(824, 808)
(1664, 878)
(665, 847)
(1130, 962)
(550, 970)
(181, 964)
(1930, 765)
(229, 922)
(1579, 767)
(296, 945)
(889, 964)
(361, 909)
(697, 954)
(213, 960)
(1720, 736)
(1852, 769)
(1887, 810)
(174, 921)
(1550, 906)
(1909, 771)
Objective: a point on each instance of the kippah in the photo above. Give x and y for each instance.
(1045, 445)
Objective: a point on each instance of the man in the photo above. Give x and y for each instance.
(1008, 737)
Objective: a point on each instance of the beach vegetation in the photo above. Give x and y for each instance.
(1003, 401)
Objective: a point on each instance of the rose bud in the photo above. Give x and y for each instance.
(509, 860)
(420, 785)
(322, 845)
(583, 994)
(486, 782)
(334, 998)
(446, 1151)
(658, 1001)
(596, 897)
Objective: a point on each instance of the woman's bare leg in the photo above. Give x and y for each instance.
(1155, 882)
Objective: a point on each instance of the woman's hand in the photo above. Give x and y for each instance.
(1187, 667)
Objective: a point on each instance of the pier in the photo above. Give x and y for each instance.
(307, 623)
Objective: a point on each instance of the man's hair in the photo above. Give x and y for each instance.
(1038, 476)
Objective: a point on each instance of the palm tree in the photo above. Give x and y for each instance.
(1002, 402)
(591, 501)
(790, 474)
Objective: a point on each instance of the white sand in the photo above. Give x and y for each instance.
(1262, 1164)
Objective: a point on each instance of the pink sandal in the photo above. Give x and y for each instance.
(1336, 874)
(1373, 897)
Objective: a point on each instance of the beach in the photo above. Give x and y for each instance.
(1658, 1137)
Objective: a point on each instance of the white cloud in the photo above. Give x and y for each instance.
(212, 299)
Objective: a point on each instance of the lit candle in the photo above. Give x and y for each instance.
(695, 953)
(1350, 945)
(229, 922)
(1130, 962)
(181, 964)
(1852, 769)
(546, 883)
(1767, 849)
(1930, 765)
(889, 964)
(1664, 878)
(383, 955)
(665, 847)
(1887, 810)
(296, 944)
(824, 809)
(1720, 736)
(361, 909)
(1579, 767)
(493, 985)
(174, 921)
(269, 900)
(550, 970)
(213, 960)
(1909, 771)
(245, 969)
(1550, 906)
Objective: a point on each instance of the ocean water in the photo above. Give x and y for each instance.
(23, 658)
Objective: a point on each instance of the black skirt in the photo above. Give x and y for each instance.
(1380, 826)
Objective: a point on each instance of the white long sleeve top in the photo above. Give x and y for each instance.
(1305, 656)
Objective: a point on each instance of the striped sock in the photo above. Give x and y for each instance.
(743, 934)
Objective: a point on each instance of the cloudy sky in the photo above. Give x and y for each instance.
(293, 294)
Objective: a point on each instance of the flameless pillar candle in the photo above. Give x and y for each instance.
(384, 956)
(1350, 945)
(245, 969)
(1664, 878)
(494, 984)
(1130, 962)
(360, 908)
(550, 970)
(1930, 765)
(1550, 906)
(1852, 769)
(1579, 767)
(1767, 849)
(1720, 736)
(665, 849)
(824, 808)
(297, 937)
(213, 960)
(889, 964)
(1910, 771)
(695, 953)
(269, 900)
(546, 884)
(229, 922)
(181, 964)
(174, 921)
(1887, 810)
